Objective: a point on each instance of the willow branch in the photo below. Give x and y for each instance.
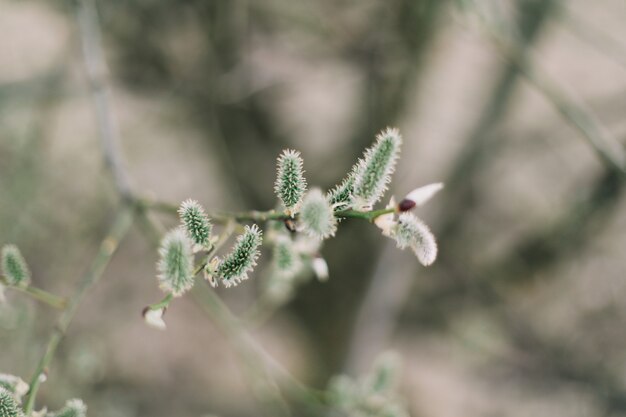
(95, 67)
(38, 294)
(108, 246)
(259, 216)
(603, 143)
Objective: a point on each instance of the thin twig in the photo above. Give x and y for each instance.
(96, 69)
(108, 246)
(602, 142)
(37, 293)
(260, 216)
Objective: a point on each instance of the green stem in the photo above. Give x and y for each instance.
(108, 246)
(162, 304)
(252, 353)
(260, 216)
(38, 294)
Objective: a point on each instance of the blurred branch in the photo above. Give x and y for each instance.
(108, 246)
(479, 144)
(96, 70)
(378, 313)
(251, 352)
(38, 294)
(386, 297)
(605, 145)
(568, 236)
(559, 360)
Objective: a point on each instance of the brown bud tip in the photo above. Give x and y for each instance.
(147, 308)
(406, 205)
(290, 224)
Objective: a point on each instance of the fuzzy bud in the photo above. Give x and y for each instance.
(235, 266)
(196, 223)
(412, 232)
(14, 266)
(420, 196)
(290, 184)
(175, 265)
(286, 258)
(374, 172)
(317, 218)
(341, 197)
(72, 408)
(14, 385)
(8, 405)
(384, 374)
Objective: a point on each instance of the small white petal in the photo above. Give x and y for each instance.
(320, 267)
(386, 223)
(421, 195)
(154, 318)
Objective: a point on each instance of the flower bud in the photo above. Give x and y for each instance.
(235, 266)
(317, 218)
(175, 265)
(420, 196)
(196, 223)
(412, 232)
(8, 405)
(72, 408)
(14, 266)
(374, 171)
(14, 385)
(286, 258)
(290, 184)
(341, 197)
(154, 317)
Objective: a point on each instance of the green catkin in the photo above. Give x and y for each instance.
(196, 223)
(317, 217)
(286, 258)
(8, 405)
(235, 266)
(374, 171)
(14, 266)
(341, 197)
(290, 183)
(72, 408)
(175, 266)
(14, 384)
(412, 232)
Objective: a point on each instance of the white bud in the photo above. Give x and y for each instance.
(412, 232)
(154, 318)
(422, 195)
(320, 267)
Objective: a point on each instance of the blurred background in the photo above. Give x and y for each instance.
(511, 103)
